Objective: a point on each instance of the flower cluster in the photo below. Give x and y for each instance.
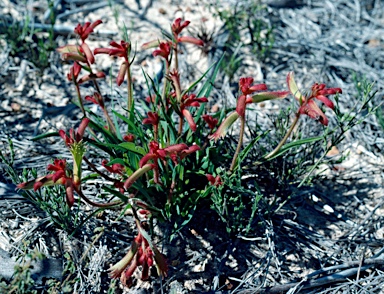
(175, 152)
(141, 253)
(163, 150)
(307, 104)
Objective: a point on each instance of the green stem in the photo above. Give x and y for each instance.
(129, 87)
(176, 58)
(282, 142)
(239, 144)
(106, 114)
(180, 125)
(80, 100)
(163, 93)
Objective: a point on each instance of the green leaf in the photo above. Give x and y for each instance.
(246, 150)
(205, 91)
(47, 135)
(122, 197)
(296, 143)
(134, 148)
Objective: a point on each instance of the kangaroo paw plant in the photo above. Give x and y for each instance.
(159, 156)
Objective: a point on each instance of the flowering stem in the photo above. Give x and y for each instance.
(79, 97)
(170, 194)
(165, 82)
(129, 86)
(282, 142)
(180, 125)
(239, 144)
(108, 118)
(176, 58)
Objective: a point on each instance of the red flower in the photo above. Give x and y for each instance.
(95, 99)
(115, 168)
(153, 119)
(72, 138)
(58, 177)
(212, 122)
(83, 53)
(141, 253)
(247, 97)
(246, 87)
(129, 138)
(175, 152)
(307, 104)
(79, 54)
(84, 30)
(190, 101)
(163, 51)
(118, 50)
(74, 71)
(178, 26)
(215, 181)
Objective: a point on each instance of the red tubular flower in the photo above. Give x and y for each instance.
(246, 87)
(118, 50)
(215, 181)
(141, 253)
(212, 122)
(190, 40)
(178, 26)
(85, 30)
(58, 177)
(138, 173)
(88, 53)
(190, 101)
(152, 154)
(73, 57)
(320, 92)
(72, 138)
(307, 104)
(115, 168)
(74, 71)
(129, 138)
(122, 72)
(175, 152)
(241, 105)
(175, 78)
(90, 77)
(96, 99)
(163, 51)
(192, 149)
(153, 119)
(79, 54)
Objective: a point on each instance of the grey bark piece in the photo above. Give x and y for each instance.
(46, 268)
